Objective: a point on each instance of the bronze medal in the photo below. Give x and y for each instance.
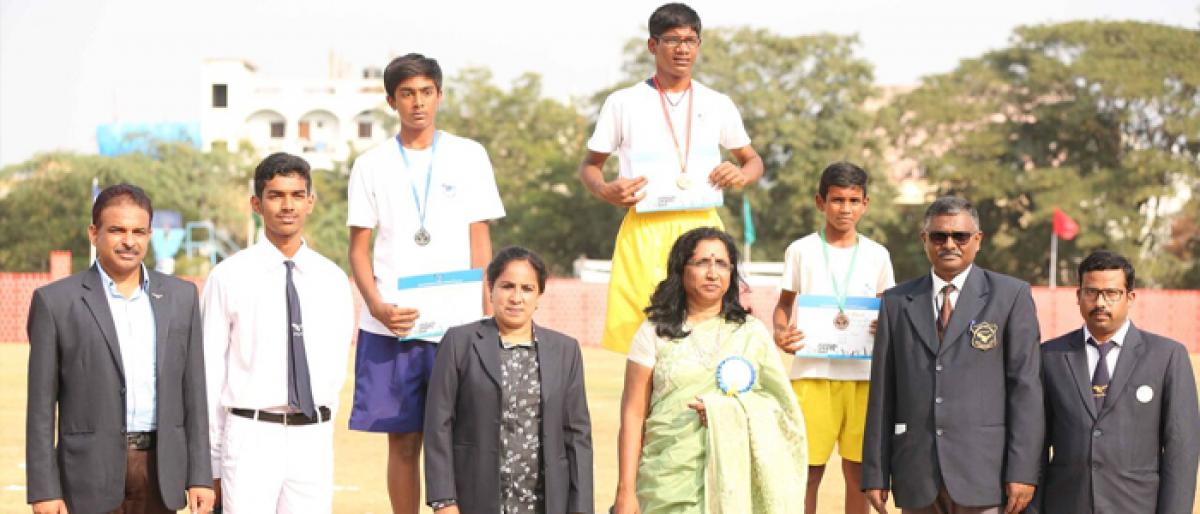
(841, 321)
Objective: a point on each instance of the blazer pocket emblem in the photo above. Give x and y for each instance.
(983, 335)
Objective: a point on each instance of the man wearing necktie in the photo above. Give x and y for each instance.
(278, 319)
(952, 420)
(1121, 411)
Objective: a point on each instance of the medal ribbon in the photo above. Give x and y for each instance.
(840, 296)
(662, 99)
(422, 207)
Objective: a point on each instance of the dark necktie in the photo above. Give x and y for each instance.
(299, 382)
(947, 309)
(1100, 377)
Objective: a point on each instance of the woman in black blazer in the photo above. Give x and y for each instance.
(507, 428)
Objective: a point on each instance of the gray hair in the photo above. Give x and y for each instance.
(949, 206)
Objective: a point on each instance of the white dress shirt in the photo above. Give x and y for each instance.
(133, 318)
(1093, 353)
(246, 332)
(959, 281)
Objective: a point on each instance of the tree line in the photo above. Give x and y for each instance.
(1098, 118)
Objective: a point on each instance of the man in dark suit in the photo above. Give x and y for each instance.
(952, 424)
(1121, 410)
(116, 352)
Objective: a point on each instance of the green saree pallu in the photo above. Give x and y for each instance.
(751, 459)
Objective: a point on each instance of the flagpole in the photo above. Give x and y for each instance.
(1053, 259)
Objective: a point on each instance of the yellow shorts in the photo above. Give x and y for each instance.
(639, 263)
(835, 411)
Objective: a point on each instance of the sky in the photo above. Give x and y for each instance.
(67, 66)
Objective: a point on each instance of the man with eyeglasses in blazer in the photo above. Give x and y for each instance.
(1121, 412)
(952, 419)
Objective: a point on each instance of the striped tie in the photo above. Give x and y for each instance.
(947, 309)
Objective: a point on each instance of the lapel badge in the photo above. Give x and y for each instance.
(983, 335)
(1145, 394)
(157, 296)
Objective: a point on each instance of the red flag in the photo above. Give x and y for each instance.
(1064, 226)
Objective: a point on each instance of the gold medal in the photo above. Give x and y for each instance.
(684, 182)
(841, 321)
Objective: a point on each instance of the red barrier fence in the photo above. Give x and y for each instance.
(577, 308)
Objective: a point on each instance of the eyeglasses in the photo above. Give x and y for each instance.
(1110, 295)
(939, 237)
(719, 264)
(675, 41)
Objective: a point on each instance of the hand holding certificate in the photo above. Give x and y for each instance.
(671, 190)
(833, 331)
(446, 299)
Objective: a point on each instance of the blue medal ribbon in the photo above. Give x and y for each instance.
(422, 206)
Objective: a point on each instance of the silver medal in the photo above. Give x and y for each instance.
(422, 237)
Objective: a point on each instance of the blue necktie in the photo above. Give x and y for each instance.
(299, 383)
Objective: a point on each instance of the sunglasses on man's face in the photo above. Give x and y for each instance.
(939, 237)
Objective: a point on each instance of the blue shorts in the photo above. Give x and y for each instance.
(390, 381)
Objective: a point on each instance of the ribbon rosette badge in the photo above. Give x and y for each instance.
(735, 375)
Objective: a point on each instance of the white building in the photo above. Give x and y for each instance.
(317, 119)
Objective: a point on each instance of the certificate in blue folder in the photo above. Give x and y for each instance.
(444, 299)
(823, 339)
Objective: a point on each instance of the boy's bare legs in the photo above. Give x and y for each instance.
(404, 472)
(814, 485)
(856, 501)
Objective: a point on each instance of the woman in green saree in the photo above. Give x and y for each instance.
(689, 445)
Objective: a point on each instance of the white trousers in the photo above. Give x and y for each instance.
(270, 467)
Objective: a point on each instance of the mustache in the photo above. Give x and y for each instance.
(948, 253)
(1099, 310)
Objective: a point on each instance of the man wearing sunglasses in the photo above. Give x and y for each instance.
(1121, 407)
(953, 417)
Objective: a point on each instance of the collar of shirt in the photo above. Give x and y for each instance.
(111, 285)
(508, 345)
(958, 280)
(1118, 337)
(270, 257)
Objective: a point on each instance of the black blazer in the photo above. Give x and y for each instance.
(462, 421)
(75, 367)
(1139, 454)
(963, 413)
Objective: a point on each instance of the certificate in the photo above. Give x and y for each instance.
(830, 336)
(669, 190)
(445, 299)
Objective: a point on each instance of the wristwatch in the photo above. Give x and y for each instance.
(441, 504)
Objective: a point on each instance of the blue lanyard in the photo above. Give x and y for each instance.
(422, 207)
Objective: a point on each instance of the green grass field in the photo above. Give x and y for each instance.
(360, 458)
